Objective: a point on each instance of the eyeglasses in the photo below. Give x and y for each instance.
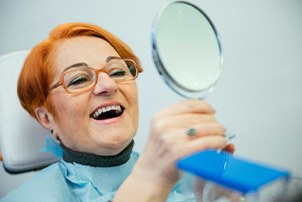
(83, 78)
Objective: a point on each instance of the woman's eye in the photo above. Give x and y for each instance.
(78, 81)
(117, 73)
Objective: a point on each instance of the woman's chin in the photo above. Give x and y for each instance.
(113, 147)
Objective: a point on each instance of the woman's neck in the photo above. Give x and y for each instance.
(94, 160)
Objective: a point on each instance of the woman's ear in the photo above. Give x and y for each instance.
(44, 117)
(46, 120)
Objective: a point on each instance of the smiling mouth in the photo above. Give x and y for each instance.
(107, 112)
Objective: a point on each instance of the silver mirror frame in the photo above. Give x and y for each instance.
(168, 79)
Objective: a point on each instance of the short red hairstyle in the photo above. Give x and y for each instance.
(37, 72)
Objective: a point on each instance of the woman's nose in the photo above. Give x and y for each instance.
(105, 85)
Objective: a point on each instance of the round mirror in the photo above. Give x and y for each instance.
(186, 49)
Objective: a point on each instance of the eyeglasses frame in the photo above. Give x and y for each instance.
(97, 71)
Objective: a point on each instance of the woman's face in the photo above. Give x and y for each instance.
(74, 124)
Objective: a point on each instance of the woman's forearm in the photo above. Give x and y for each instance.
(140, 187)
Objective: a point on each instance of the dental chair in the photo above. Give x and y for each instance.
(21, 137)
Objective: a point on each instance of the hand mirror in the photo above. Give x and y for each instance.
(186, 49)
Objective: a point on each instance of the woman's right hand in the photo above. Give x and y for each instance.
(156, 170)
(168, 141)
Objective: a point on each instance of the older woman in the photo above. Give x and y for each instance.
(79, 84)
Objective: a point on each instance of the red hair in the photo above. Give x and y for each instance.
(37, 72)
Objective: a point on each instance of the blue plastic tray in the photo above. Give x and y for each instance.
(230, 171)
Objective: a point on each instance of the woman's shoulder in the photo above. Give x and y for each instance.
(47, 184)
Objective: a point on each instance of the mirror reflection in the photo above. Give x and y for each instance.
(186, 49)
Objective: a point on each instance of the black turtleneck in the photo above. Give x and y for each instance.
(96, 160)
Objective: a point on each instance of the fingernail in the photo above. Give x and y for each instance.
(229, 135)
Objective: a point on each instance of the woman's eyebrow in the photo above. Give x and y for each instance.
(111, 58)
(81, 64)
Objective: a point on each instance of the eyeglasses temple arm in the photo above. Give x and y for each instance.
(55, 86)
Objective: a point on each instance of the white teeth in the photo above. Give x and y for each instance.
(106, 109)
